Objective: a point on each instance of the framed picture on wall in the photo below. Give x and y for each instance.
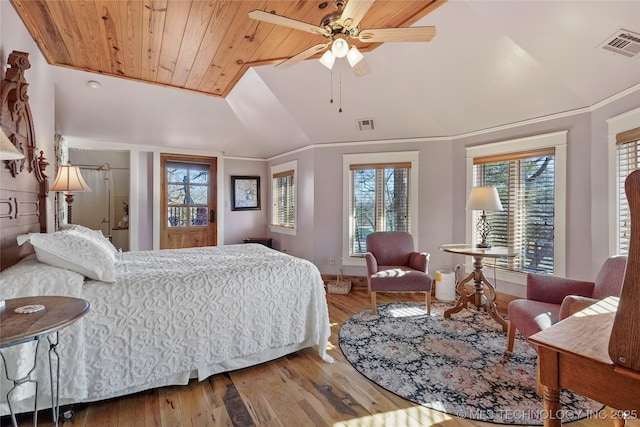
(245, 193)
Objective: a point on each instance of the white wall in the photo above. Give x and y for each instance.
(249, 223)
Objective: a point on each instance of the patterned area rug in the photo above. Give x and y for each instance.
(456, 365)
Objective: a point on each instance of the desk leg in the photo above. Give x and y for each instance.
(19, 381)
(549, 378)
(55, 393)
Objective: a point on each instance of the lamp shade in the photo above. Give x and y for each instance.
(8, 151)
(484, 199)
(354, 56)
(69, 179)
(339, 47)
(328, 59)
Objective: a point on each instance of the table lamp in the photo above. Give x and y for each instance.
(8, 151)
(69, 180)
(484, 199)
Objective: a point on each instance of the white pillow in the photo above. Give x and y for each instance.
(72, 251)
(30, 277)
(95, 236)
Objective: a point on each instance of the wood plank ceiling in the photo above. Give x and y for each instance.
(204, 46)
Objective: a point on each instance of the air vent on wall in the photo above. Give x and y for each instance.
(365, 124)
(624, 42)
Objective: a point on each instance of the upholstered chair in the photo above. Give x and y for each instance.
(394, 266)
(551, 299)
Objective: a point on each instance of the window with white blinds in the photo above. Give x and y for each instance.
(628, 160)
(283, 197)
(526, 184)
(380, 201)
(379, 193)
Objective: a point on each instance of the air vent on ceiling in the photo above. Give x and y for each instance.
(365, 124)
(624, 42)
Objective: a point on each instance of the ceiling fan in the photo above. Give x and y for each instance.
(341, 26)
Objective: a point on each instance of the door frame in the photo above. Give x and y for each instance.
(157, 190)
(210, 231)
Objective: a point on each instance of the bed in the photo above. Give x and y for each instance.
(170, 315)
(157, 317)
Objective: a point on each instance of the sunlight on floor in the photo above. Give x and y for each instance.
(413, 416)
(407, 312)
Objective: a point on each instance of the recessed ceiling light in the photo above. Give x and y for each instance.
(94, 84)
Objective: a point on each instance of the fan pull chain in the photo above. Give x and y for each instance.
(340, 91)
(331, 86)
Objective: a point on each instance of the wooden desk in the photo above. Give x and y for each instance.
(16, 328)
(573, 354)
(484, 293)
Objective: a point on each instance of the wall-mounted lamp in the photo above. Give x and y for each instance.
(484, 199)
(69, 180)
(8, 151)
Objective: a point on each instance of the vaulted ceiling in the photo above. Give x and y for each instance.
(491, 64)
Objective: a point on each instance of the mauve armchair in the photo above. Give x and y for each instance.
(551, 299)
(394, 266)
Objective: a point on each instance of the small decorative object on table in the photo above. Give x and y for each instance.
(339, 286)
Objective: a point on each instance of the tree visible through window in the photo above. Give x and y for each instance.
(187, 194)
(526, 185)
(380, 201)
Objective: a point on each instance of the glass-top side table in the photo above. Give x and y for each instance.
(33, 322)
(484, 293)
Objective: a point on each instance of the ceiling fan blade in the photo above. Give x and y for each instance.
(408, 34)
(354, 11)
(361, 69)
(272, 18)
(307, 53)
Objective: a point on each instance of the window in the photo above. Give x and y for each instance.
(283, 198)
(380, 195)
(525, 183)
(623, 135)
(628, 160)
(530, 176)
(187, 186)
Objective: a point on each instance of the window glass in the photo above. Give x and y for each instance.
(526, 185)
(283, 195)
(187, 187)
(628, 160)
(380, 202)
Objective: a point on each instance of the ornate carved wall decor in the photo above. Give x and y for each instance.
(16, 120)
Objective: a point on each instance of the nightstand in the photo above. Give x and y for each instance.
(34, 325)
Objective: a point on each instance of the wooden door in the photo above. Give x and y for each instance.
(188, 201)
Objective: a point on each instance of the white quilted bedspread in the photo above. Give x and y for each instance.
(174, 313)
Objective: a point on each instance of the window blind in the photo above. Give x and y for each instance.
(525, 182)
(628, 160)
(284, 199)
(380, 201)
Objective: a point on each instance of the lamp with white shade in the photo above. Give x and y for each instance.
(484, 199)
(69, 180)
(8, 151)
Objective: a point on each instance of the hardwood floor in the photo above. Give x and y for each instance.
(297, 390)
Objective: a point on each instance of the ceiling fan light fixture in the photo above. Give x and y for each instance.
(340, 47)
(328, 59)
(354, 56)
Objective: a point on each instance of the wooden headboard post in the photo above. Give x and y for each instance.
(22, 198)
